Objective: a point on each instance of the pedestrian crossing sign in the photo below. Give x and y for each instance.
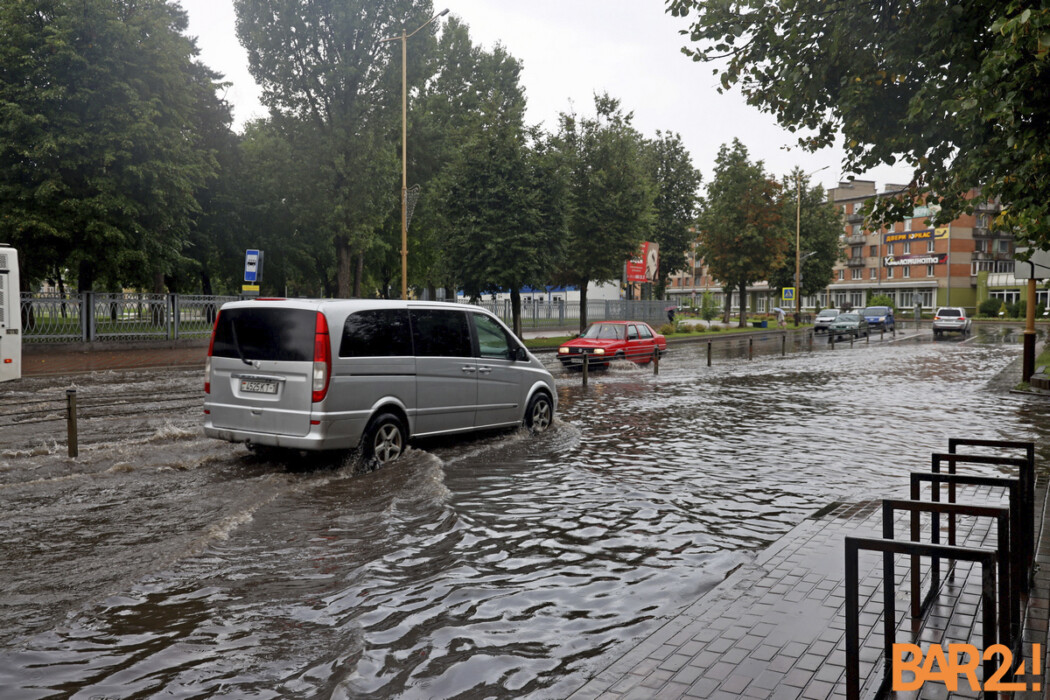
(787, 294)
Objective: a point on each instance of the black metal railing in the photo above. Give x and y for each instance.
(1007, 570)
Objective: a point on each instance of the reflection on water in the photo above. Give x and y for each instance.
(500, 566)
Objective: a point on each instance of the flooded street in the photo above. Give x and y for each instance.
(163, 563)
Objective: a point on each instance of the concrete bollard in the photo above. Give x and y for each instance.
(709, 353)
(71, 422)
(783, 345)
(586, 364)
(656, 362)
(750, 348)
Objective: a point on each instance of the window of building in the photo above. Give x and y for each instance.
(907, 248)
(874, 251)
(980, 245)
(907, 224)
(929, 271)
(1004, 245)
(857, 273)
(842, 275)
(857, 299)
(874, 273)
(889, 273)
(889, 249)
(857, 251)
(925, 297)
(983, 220)
(929, 246)
(906, 298)
(906, 272)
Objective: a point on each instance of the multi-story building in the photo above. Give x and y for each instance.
(912, 262)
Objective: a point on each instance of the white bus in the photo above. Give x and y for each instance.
(10, 315)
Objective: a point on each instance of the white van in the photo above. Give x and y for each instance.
(369, 374)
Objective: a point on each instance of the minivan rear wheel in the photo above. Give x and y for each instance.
(384, 439)
(540, 413)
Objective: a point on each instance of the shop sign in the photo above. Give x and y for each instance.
(928, 259)
(928, 234)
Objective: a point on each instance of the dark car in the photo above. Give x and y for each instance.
(879, 317)
(613, 340)
(852, 324)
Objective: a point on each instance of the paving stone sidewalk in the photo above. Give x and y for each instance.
(40, 360)
(775, 628)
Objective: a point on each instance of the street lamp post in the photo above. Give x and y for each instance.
(404, 146)
(798, 236)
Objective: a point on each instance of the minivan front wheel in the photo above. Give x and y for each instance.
(384, 439)
(540, 413)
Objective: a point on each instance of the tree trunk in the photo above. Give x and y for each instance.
(727, 308)
(583, 304)
(85, 277)
(515, 310)
(743, 304)
(344, 269)
(359, 274)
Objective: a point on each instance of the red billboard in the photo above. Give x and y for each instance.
(643, 265)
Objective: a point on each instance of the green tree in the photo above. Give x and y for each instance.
(881, 300)
(742, 238)
(674, 209)
(955, 91)
(325, 69)
(819, 227)
(100, 159)
(497, 233)
(610, 196)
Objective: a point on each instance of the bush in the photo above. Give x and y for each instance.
(666, 329)
(683, 328)
(989, 307)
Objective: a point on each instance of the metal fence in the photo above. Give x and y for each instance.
(556, 314)
(98, 317)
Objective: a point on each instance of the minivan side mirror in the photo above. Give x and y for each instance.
(519, 354)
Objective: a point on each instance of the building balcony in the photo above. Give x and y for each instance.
(856, 239)
(856, 262)
(854, 218)
(981, 255)
(987, 206)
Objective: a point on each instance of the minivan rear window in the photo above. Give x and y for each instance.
(949, 312)
(377, 333)
(266, 334)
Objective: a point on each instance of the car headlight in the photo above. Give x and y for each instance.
(563, 351)
(599, 351)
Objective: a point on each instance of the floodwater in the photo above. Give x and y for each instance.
(162, 563)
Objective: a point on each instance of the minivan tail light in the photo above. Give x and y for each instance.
(322, 359)
(207, 362)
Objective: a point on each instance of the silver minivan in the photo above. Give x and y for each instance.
(369, 374)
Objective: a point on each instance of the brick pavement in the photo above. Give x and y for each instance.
(775, 628)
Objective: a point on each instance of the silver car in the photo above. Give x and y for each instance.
(951, 319)
(824, 319)
(368, 374)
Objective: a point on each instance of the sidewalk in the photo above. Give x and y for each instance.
(43, 360)
(775, 628)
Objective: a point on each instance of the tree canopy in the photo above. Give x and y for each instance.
(100, 150)
(742, 231)
(955, 91)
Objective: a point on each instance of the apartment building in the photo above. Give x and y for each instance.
(912, 262)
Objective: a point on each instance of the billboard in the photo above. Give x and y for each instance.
(644, 264)
(927, 259)
(930, 234)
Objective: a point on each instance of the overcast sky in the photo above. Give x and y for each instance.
(571, 49)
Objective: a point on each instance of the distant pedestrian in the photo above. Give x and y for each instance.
(780, 317)
(670, 314)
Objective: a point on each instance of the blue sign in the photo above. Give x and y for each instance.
(251, 265)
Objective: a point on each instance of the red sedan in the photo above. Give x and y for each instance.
(613, 340)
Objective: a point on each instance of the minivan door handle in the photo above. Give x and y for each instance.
(469, 368)
(484, 369)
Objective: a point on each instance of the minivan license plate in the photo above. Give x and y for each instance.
(256, 387)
